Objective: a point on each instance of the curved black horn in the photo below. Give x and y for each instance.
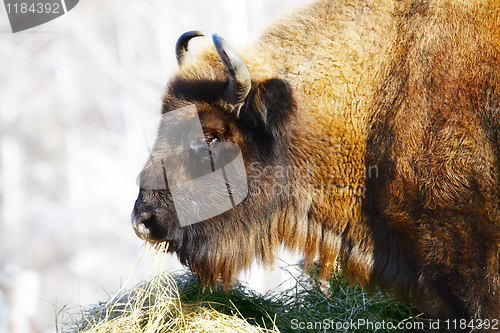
(181, 47)
(239, 76)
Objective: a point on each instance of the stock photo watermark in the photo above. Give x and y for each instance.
(205, 180)
(26, 14)
(277, 179)
(209, 177)
(329, 325)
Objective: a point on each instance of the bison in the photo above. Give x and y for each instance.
(369, 137)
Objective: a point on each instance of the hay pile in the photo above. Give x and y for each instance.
(155, 306)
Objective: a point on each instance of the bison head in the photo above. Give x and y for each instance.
(216, 186)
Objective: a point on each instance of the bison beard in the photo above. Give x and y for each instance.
(407, 89)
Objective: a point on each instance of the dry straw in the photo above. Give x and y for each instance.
(155, 307)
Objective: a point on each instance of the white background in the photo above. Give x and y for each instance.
(70, 92)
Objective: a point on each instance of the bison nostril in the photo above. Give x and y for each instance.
(142, 223)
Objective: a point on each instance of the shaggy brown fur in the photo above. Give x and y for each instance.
(370, 138)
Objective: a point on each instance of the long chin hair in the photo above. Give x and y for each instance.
(225, 246)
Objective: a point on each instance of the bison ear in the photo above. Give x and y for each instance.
(268, 105)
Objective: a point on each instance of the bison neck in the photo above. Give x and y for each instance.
(333, 80)
(335, 71)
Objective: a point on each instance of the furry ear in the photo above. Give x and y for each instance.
(268, 105)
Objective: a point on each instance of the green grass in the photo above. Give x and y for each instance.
(307, 303)
(305, 306)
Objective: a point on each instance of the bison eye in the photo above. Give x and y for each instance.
(210, 138)
(201, 143)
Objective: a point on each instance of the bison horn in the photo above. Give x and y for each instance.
(181, 47)
(239, 76)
